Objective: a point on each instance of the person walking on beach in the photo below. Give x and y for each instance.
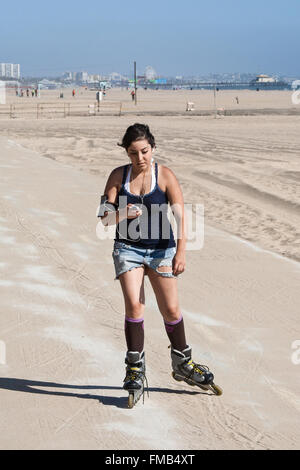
(132, 95)
(73, 93)
(136, 200)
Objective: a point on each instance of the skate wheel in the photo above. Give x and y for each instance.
(216, 389)
(204, 387)
(131, 400)
(175, 377)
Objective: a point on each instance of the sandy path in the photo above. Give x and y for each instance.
(245, 171)
(62, 324)
(160, 101)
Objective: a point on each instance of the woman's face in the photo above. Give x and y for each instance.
(140, 153)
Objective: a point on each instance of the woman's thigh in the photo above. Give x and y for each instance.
(166, 293)
(132, 283)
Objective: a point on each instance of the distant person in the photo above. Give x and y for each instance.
(36, 92)
(27, 92)
(17, 93)
(237, 100)
(32, 93)
(98, 96)
(73, 93)
(132, 95)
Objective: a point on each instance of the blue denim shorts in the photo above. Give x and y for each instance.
(127, 257)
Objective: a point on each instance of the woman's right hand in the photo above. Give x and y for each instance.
(126, 213)
(132, 213)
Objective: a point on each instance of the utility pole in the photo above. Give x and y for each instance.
(135, 98)
(215, 102)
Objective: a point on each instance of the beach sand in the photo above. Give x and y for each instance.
(245, 170)
(160, 101)
(62, 313)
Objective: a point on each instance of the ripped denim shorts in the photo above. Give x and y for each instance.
(127, 257)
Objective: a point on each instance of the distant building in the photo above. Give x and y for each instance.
(16, 71)
(94, 78)
(116, 77)
(48, 84)
(82, 77)
(67, 76)
(9, 70)
(264, 79)
(265, 82)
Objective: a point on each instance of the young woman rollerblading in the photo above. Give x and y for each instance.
(136, 200)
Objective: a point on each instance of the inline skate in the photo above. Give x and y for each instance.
(135, 376)
(185, 369)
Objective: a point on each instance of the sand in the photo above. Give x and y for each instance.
(62, 313)
(158, 102)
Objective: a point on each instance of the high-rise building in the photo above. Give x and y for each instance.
(16, 71)
(9, 70)
(82, 76)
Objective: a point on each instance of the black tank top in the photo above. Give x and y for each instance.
(152, 229)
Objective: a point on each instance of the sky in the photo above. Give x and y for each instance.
(186, 37)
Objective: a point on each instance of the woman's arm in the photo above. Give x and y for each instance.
(175, 198)
(111, 191)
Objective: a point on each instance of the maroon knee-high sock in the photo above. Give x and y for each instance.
(176, 334)
(134, 333)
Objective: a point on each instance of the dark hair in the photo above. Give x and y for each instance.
(137, 132)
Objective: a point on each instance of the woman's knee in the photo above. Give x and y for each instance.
(134, 309)
(171, 313)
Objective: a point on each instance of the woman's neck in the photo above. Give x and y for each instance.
(138, 171)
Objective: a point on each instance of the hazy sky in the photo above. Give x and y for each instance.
(176, 37)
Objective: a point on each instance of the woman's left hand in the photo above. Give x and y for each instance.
(178, 263)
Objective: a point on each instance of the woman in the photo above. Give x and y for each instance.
(145, 245)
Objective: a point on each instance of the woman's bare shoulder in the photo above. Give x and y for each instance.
(114, 181)
(118, 170)
(166, 177)
(116, 176)
(166, 174)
